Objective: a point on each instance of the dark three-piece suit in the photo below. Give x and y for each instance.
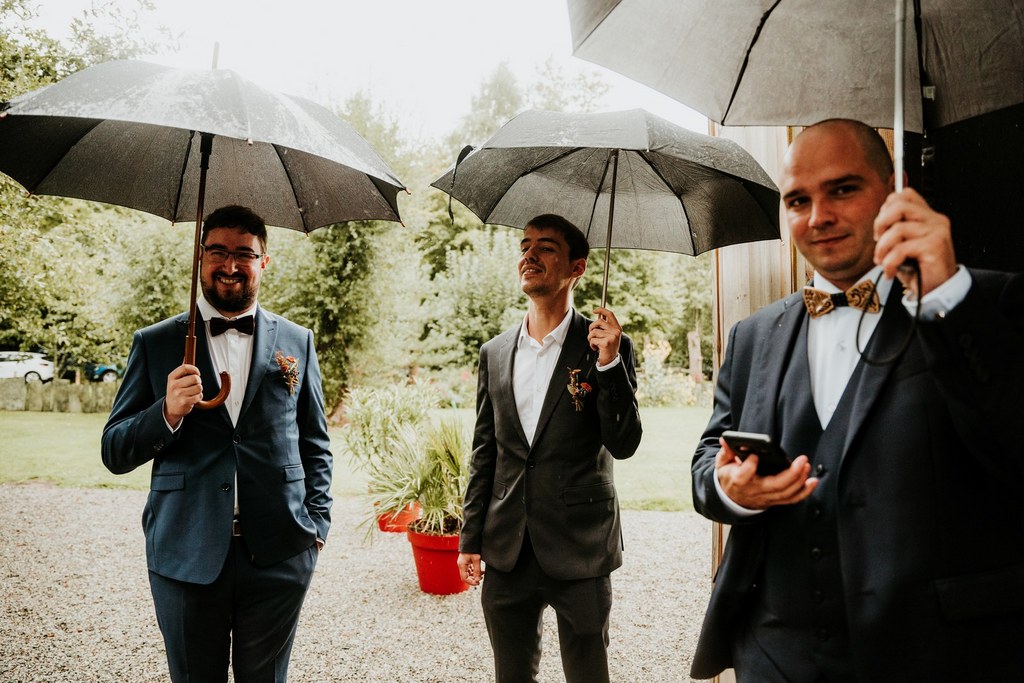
(558, 494)
(907, 561)
(278, 453)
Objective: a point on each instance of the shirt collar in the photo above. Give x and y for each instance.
(883, 287)
(556, 335)
(207, 310)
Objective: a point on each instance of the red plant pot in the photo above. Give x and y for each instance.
(437, 563)
(399, 521)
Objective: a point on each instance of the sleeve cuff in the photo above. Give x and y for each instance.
(944, 298)
(604, 368)
(731, 505)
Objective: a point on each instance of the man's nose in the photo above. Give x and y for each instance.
(821, 215)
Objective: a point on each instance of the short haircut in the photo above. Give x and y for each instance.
(235, 216)
(574, 237)
(876, 152)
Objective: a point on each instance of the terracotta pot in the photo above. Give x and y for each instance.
(437, 563)
(398, 521)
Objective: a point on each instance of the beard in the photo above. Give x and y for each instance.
(237, 301)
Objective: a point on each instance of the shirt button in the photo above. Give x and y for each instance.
(815, 553)
(822, 634)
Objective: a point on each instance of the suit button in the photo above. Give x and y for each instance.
(237, 438)
(818, 597)
(820, 469)
(816, 511)
(158, 446)
(225, 487)
(815, 553)
(530, 464)
(823, 634)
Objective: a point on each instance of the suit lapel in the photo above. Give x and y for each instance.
(576, 353)
(264, 343)
(504, 399)
(891, 331)
(770, 362)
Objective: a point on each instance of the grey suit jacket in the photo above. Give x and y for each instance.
(930, 520)
(562, 486)
(279, 450)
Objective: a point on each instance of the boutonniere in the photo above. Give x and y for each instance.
(289, 370)
(577, 390)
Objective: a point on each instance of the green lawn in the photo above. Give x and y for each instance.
(65, 449)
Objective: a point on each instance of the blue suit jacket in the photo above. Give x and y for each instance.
(279, 450)
(930, 523)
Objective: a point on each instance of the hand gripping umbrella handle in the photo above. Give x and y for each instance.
(225, 378)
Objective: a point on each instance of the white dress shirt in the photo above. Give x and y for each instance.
(532, 370)
(231, 352)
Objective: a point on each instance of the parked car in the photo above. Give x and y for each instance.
(102, 372)
(33, 367)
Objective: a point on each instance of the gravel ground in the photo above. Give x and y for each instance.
(76, 605)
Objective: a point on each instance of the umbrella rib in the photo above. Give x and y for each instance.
(284, 167)
(181, 176)
(682, 205)
(597, 196)
(528, 171)
(746, 60)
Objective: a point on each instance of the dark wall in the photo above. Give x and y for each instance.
(976, 177)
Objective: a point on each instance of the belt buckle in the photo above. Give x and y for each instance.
(236, 527)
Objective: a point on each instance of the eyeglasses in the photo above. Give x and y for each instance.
(217, 256)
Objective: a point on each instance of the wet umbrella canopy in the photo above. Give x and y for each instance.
(766, 62)
(166, 141)
(627, 179)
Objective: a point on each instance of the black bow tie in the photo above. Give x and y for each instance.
(245, 325)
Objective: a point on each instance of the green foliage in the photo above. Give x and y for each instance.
(375, 417)
(475, 298)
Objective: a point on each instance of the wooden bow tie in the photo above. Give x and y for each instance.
(862, 296)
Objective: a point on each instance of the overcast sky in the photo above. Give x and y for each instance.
(422, 59)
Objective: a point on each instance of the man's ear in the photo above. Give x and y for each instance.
(579, 267)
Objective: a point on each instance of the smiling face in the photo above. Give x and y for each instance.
(545, 267)
(231, 287)
(832, 193)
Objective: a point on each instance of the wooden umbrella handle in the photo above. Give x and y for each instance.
(225, 378)
(205, 149)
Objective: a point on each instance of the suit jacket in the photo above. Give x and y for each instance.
(279, 450)
(930, 521)
(562, 486)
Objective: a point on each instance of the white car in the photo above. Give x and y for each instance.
(33, 367)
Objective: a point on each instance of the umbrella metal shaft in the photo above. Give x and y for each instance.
(897, 124)
(608, 235)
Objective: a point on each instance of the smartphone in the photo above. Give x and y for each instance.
(770, 458)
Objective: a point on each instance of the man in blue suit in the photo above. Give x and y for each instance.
(556, 404)
(892, 548)
(239, 503)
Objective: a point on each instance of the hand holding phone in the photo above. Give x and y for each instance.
(771, 459)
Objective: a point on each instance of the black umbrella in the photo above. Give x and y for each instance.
(627, 179)
(794, 63)
(143, 136)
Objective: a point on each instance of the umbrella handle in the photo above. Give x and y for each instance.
(225, 378)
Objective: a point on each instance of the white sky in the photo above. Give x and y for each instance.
(422, 59)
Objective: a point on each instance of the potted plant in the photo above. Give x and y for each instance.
(376, 418)
(430, 468)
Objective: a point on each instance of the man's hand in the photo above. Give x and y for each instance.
(184, 390)
(740, 481)
(906, 227)
(470, 568)
(604, 336)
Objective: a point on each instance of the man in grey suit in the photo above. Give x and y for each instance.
(556, 402)
(892, 548)
(239, 504)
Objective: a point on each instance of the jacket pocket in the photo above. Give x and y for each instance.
(999, 591)
(591, 493)
(174, 481)
(293, 472)
(500, 490)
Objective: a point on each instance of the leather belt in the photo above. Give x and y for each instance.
(236, 527)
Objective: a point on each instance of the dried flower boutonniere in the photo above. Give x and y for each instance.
(289, 370)
(577, 390)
